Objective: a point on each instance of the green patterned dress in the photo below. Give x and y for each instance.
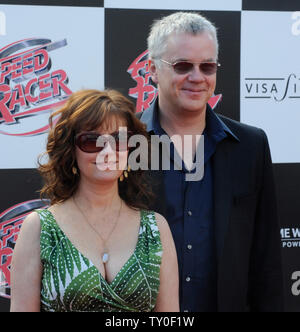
(70, 281)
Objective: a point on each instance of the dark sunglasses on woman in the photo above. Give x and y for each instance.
(91, 142)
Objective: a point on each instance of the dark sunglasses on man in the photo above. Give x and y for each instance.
(184, 67)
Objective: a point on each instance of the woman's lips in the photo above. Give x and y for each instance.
(108, 165)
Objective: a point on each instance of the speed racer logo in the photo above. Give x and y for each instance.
(27, 85)
(145, 91)
(10, 223)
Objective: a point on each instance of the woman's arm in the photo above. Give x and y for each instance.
(26, 268)
(168, 297)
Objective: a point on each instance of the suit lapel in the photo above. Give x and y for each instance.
(222, 192)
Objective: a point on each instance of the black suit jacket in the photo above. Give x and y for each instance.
(245, 212)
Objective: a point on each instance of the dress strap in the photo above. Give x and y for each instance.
(150, 230)
(45, 215)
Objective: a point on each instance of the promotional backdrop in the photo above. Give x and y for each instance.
(50, 48)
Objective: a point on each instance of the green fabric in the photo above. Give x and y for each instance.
(70, 281)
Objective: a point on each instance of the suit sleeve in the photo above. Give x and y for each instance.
(265, 275)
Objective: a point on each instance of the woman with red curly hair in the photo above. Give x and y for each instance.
(97, 247)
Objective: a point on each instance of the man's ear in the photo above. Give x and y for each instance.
(153, 71)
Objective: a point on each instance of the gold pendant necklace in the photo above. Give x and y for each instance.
(104, 255)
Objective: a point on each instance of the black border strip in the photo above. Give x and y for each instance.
(272, 5)
(60, 3)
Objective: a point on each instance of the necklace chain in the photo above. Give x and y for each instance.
(105, 255)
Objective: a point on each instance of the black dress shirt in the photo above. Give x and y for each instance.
(189, 212)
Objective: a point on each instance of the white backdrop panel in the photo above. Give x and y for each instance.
(83, 29)
(270, 80)
(176, 4)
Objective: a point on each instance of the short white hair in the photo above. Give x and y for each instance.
(180, 22)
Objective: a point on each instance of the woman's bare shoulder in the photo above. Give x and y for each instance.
(161, 220)
(30, 229)
(32, 221)
(162, 225)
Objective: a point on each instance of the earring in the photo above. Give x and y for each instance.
(74, 170)
(127, 171)
(125, 174)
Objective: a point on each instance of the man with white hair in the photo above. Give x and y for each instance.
(225, 225)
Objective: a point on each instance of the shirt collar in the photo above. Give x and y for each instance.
(214, 125)
(151, 119)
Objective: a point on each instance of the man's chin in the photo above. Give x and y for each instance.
(194, 107)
